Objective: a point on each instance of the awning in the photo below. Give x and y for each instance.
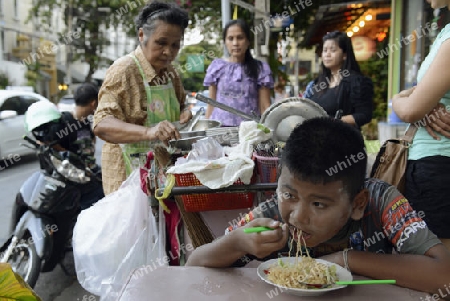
(345, 16)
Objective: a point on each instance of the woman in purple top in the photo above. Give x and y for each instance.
(239, 81)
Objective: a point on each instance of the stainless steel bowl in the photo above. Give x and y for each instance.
(186, 143)
(204, 124)
(192, 134)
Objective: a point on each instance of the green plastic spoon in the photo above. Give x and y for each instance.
(350, 283)
(257, 229)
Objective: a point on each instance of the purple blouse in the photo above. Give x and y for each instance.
(236, 89)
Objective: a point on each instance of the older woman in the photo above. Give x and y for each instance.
(142, 94)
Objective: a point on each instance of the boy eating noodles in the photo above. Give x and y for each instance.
(343, 218)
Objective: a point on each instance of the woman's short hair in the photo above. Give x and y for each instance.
(163, 11)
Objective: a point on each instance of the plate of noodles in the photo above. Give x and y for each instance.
(288, 273)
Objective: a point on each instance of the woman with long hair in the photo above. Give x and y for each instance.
(239, 81)
(341, 89)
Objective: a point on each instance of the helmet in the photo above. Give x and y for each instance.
(40, 113)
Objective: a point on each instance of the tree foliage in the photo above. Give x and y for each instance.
(193, 81)
(4, 80)
(91, 23)
(93, 20)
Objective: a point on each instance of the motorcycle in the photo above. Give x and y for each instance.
(46, 209)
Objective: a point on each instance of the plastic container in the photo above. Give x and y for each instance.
(267, 168)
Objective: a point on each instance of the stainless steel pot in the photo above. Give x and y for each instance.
(205, 124)
(198, 132)
(281, 117)
(185, 144)
(185, 135)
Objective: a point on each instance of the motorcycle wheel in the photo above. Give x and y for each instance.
(25, 261)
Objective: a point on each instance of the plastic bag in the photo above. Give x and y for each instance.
(115, 236)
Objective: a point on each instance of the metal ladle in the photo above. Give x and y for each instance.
(229, 109)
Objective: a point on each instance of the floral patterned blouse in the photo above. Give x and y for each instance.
(236, 89)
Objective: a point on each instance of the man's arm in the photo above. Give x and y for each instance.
(226, 250)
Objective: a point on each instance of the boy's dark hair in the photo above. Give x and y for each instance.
(85, 93)
(323, 150)
(251, 65)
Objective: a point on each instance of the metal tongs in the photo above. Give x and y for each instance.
(191, 123)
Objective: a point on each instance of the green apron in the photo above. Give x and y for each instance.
(162, 104)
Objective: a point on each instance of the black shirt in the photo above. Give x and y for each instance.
(328, 100)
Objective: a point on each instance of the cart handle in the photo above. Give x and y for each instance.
(230, 189)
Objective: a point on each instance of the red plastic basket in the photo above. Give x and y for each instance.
(267, 168)
(212, 201)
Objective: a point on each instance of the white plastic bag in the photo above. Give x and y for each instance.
(115, 236)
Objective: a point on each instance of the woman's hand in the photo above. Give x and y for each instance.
(185, 116)
(438, 120)
(164, 131)
(264, 243)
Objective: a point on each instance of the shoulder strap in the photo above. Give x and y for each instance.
(409, 134)
(141, 71)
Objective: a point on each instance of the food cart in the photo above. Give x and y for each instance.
(194, 199)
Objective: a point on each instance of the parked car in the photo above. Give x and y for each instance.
(66, 103)
(13, 105)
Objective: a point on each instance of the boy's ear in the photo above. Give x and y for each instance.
(93, 104)
(359, 204)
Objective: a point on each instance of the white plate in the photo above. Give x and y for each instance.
(283, 116)
(343, 275)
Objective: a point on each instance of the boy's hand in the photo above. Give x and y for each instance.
(337, 258)
(264, 243)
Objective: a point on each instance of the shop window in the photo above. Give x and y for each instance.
(2, 40)
(16, 9)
